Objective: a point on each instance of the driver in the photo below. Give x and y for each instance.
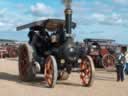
(58, 36)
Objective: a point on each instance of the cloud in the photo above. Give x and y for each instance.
(9, 20)
(98, 16)
(40, 9)
(121, 1)
(2, 11)
(5, 22)
(7, 26)
(108, 19)
(1, 24)
(100, 12)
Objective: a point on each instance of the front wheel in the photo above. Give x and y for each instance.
(51, 71)
(87, 71)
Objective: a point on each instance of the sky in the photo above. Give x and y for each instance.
(104, 19)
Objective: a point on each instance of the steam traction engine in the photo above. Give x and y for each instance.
(52, 51)
(102, 51)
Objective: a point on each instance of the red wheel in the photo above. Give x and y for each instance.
(26, 71)
(51, 71)
(108, 62)
(87, 71)
(12, 52)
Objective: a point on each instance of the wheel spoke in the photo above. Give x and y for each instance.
(85, 71)
(49, 71)
(108, 61)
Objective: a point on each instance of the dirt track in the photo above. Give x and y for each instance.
(105, 84)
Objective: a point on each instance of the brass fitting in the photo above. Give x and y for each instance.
(68, 11)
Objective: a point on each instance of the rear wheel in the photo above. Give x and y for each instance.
(87, 71)
(108, 62)
(26, 68)
(51, 71)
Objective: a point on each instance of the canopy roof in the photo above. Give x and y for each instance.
(50, 24)
(98, 40)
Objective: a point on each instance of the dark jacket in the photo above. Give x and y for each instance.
(120, 59)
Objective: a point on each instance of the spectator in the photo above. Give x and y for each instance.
(120, 65)
(126, 65)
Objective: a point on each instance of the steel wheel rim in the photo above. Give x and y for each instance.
(85, 73)
(49, 71)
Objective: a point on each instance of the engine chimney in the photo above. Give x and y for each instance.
(68, 20)
(68, 15)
